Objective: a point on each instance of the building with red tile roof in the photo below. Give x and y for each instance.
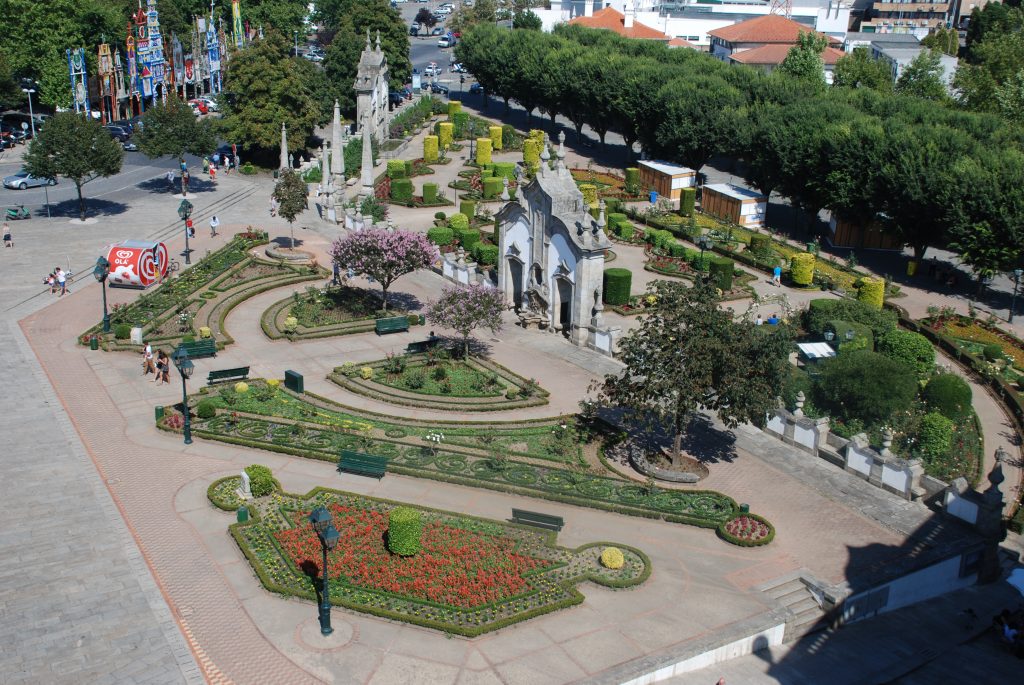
(625, 25)
(765, 41)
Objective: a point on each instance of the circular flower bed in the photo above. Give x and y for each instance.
(747, 530)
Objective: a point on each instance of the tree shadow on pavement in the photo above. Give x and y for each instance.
(159, 185)
(285, 242)
(702, 440)
(406, 302)
(93, 208)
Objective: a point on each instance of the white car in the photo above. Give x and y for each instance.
(432, 69)
(446, 42)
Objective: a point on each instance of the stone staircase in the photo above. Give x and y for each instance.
(794, 594)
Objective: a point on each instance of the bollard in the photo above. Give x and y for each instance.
(243, 514)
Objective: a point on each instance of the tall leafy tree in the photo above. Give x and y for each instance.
(76, 148)
(991, 63)
(859, 70)
(804, 61)
(465, 309)
(944, 40)
(10, 93)
(690, 355)
(923, 77)
(171, 128)
(290, 193)
(384, 255)
(699, 119)
(528, 20)
(1010, 98)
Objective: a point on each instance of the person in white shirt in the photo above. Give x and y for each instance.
(62, 282)
(147, 360)
(214, 223)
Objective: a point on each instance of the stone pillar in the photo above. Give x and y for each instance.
(284, 147)
(366, 172)
(337, 151)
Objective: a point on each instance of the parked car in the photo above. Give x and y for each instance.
(432, 70)
(118, 133)
(439, 88)
(23, 180)
(395, 99)
(457, 68)
(414, 30)
(125, 124)
(476, 89)
(446, 42)
(211, 104)
(14, 133)
(406, 92)
(200, 104)
(195, 109)
(437, 31)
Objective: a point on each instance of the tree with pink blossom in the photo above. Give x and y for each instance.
(465, 308)
(384, 255)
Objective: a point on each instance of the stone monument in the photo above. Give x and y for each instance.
(551, 257)
(371, 88)
(284, 161)
(366, 169)
(245, 491)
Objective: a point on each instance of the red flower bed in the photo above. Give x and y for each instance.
(747, 528)
(455, 567)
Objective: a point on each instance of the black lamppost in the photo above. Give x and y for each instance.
(704, 242)
(1017, 273)
(185, 368)
(322, 523)
(100, 273)
(185, 211)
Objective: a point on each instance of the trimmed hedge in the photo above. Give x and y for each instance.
(495, 134)
(913, 349)
(396, 169)
(872, 291)
(467, 207)
(468, 237)
(589, 191)
(483, 151)
(454, 106)
(617, 286)
(863, 339)
(429, 193)
(405, 527)
(486, 255)
(261, 480)
(688, 201)
(802, 269)
(492, 188)
(948, 394)
(402, 190)
(760, 243)
(659, 239)
(531, 154)
(458, 222)
(740, 542)
(206, 409)
(445, 134)
(632, 184)
(460, 120)
(505, 169)
(624, 230)
(441, 236)
(720, 270)
(430, 149)
(823, 310)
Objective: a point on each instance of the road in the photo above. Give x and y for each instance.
(423, 50)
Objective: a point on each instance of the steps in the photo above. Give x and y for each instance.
(793, 594)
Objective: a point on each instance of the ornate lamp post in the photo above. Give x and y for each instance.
(100, 273)
(185, 368)
(704, 242)
(1017, 273)
(185, 211)
(322, 523)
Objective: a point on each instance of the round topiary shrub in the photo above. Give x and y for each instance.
(459, 222)
(261, 480)
(612, 557)
(993, 352)
(290, 324)
(441, 236)
(440, 216)
(396, 168)
(913, 349)
(617, 286)
(206, 409)
(241, 387)
(405, 527)
(122, 331)
(935, 434)
(720, 270)
(948, 394)
(273, 382)
(872, 291)
(802, 269)
(366, 373)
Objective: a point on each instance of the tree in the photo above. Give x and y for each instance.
(1010, 97)
(687, 355)
(858, 70)
(864, 386)
(290, 193)
(384, 255)
(944, 40)
(272, 88)
(527, 20)
(76, 148)
(464, 309)
(923, 77)
(171, 128)
(10, 93)
(698, 120)
(425, 18)
(803, 61)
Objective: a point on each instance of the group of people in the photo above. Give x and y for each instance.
(58, 282)
(225, 160)
(772, 320)
(159, 366)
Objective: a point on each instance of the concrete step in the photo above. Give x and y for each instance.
(786, 588)
(805, 605)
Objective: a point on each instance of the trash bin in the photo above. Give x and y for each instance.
(654, 197)
(911, 267)
(94, 342)
(159, 413)
(293, 381)
(242, 514)
(744, 508)
(423, 320)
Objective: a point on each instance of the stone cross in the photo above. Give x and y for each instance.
(246, 489)
(887, 442)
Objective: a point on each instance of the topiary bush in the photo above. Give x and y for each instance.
(440, 216)
(206, 409)
(948, 394)
(589, 191)
(483, 151)
(405, 527)
(460, 120)
(617, 285)
(865, 387)
(993, 352)
(531, 154)
(261, 480)
(687, 201)
(442, 236)
(454, 106)
(506, 170)
(459, 221)
(468, 207)
(678, 250)
(863, 338)
(401, 190)
(468, 237)
(486, 255)
(720, 270)
(872, 291)
(624, 230)
(912, 349)
(495, 133)
(445, 134)
(429, 193)
(396, 169)
(632, 184)
(431, 149)
(492, 187)
(241, 387)
(823, 310)
(122, 331)
(934, 435)
(612, 557)
(802, 269)
(659, 239)
(760, 244)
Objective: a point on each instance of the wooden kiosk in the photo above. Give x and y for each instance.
(735, 204)
(666, 178)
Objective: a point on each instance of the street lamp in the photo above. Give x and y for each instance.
(185, 368)
(321, 521)
(829, 336)
(31, 116)
(100, 273)
(185, 211)
(704, 242)
(296, 34)
(849, 335)
(1017, 273)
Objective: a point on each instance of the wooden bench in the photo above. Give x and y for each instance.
(362, 464)
(420, 346)
(392, 324)
(206, 347)
(532, 518)
(225, 375)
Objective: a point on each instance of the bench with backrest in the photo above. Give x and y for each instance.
(362, 464)
(205, 347)
(392, 324)
(420, 346)
(532, 518)
(226, 375)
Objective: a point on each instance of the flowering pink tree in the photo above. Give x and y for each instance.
(464, 309)
(384, 255)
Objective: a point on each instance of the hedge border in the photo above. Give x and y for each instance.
(740, 542)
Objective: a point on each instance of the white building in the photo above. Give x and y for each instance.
(899, 57)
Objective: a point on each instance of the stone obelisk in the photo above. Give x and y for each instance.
(366, 175)
(284, 147)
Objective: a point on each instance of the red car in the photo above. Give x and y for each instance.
(203, 109)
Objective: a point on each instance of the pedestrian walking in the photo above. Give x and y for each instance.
(227, 165)
(161, 361)
(337, 274)
(147, 360)
(273, 206)
(8, 237)
(206, 165)
(214, 223)
(165, 376)
(170, 179)
(62, 282)
(777, 276)
(213, 173)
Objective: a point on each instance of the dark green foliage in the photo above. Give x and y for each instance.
(122, 331)
(408, 168)
(934, 435)
(821, 311)
(760, 244)
(460, 121)
(687, 201)
(492, 187)
(291, 196)
(862, 339)
(678, 250)
(404, 530)
(864, 386)
(468, 237)
(486, 255)
(429, 193)
(948, 394)
(912, 349)
(624, 230)
(261, 480)
(441, 236)
(402, 190)
(659, 239)
(172, 129)
(797, 381)
(396, 169)
(617, 285)
(440, 216)
(720, 271)
(467, 207)
(206, 409)
(993, 352)
(632, 184)
(506, 170)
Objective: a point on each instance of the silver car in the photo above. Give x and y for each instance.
(23, 179)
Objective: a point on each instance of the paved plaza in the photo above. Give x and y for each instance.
(115, 568)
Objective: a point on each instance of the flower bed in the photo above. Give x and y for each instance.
(747, 530)
(470, 577)
(325, 312)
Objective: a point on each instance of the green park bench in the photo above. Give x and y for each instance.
(392, 324)
(420, 346)
(362, 464)
(225, 375)
(532, 518)
(205, 347)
